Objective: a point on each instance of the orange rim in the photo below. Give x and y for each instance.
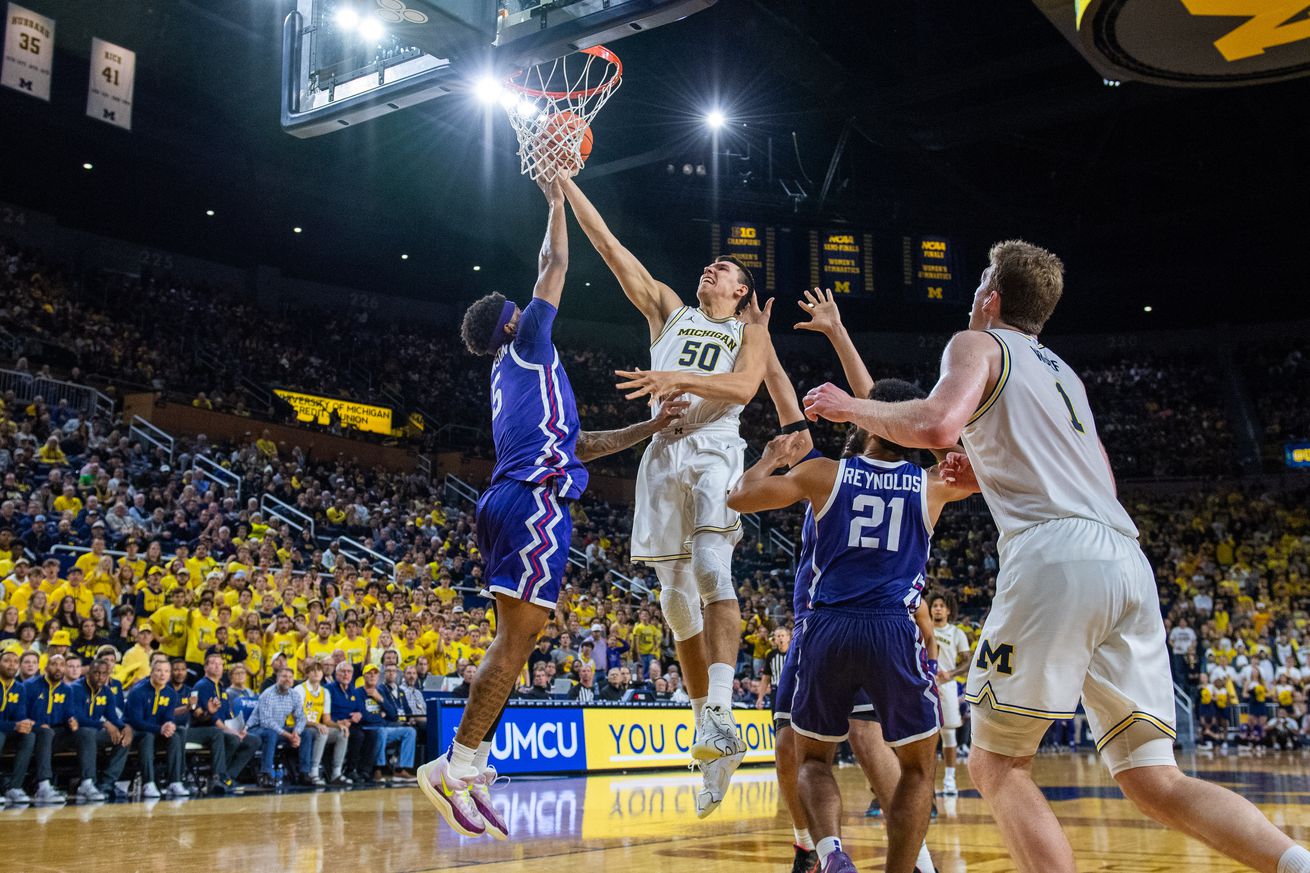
(598, 51)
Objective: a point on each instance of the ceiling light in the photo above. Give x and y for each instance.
(347, 18)
(488, 89)
(476, 267)
(404, 257)
(295, 230)
(209, 212)
(1146, 308)
(87, 166)
(371, 29)
(715, 119)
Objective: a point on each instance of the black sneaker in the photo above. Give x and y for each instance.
(874, 810)
(807, 861)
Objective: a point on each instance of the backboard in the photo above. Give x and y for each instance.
(347, 61)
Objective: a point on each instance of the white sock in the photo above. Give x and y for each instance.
(803, 838)
(826, 847)
(1295, 860)
(924, 861)
(697, 704)
(483, 754)
(461, 761)
(43, 785)
(950, 772)
(720, 686)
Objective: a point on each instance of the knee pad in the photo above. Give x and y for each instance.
(711, 564)
(948, 738)
(678, 600)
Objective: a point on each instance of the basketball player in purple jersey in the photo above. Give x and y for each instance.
(523, 522)
(870, 539)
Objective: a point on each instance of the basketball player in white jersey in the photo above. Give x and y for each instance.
(1076, 609)
(952, 661)
(717, 353)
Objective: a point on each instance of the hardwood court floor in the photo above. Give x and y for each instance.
(643, 822)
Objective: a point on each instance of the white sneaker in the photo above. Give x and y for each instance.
(177, 789)
(46, 794)
(924, 861)
(948, 785)
(87, 791)
(716, 775)
(150, 791)
(17, 796)
(716, 736)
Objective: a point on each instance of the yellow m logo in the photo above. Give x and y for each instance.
(1270, 24)
(1000, 656)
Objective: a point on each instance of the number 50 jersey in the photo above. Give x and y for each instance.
(872, 537)
(692, 342)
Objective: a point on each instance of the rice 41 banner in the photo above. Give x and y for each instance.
(29, 51)
(113, 74)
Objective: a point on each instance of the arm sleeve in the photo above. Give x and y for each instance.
(532, 339)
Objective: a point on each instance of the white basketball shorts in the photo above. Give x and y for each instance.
(682, 489)
(1076, 614)
(950, 694)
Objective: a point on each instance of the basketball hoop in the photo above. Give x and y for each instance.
(551, 106)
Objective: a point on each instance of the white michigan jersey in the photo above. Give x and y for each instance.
(1033, 444)
(692, 342)
(951, 644)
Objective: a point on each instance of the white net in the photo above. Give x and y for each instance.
(551, 106)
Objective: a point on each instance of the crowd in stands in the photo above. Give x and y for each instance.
(1279, 376)
(146, 593)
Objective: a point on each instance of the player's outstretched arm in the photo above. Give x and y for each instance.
(791, 418)
(970, 364)
(759, 489)
(826, 319)
(653, 298)
(949, 481)
(553, 262)
(593, 444)
(740, 386)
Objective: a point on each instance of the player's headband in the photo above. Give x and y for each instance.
(498, 336)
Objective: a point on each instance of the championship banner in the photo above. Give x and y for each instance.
(29, 52)
(1297, 455)
(317, 409)
(753, 244)
(113, 75)
(841, 260)
(932, 276)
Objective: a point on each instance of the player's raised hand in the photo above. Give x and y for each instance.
(671, 411)
(822, 310)
(828, 401)
(655, 384)
(784, 450)
(553, 188)
(956, 470)
(754, 314)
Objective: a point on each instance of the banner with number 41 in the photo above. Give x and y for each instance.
(109, 93)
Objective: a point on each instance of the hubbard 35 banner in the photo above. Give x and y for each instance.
(29, 51)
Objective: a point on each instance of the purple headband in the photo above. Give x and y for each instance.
(498, 336)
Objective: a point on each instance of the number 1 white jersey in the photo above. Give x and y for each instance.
(692, 342)
(1033, 444)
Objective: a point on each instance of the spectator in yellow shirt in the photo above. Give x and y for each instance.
(267, 448)
(50, 453)
(171, 624)
(81, 594)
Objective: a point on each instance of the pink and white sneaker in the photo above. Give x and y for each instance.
(480, 788)
(451, 797)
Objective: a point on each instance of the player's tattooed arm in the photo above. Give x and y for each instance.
(970, 366)
(599, 443)
(653, 298)
(825, 318)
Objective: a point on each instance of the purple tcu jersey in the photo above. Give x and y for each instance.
(800, 597)
(534, 420)
(872, 537)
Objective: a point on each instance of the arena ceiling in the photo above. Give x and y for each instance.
(978, 120)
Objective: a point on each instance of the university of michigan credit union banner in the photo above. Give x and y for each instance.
(571, 738)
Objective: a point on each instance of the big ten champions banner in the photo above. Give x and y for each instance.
(569, 738)
(929, 269)
(842, 261)
(29, 51)
(113, 74)
(328, 410)
(755, 245)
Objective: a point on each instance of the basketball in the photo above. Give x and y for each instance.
(561, 137)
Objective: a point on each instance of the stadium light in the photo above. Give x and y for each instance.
(88, 166)
(1147, 308)
(371, 29)
(477, 267)
(715, 119)
(346, 18)
(404, 257)
(488, 90)
(209, 212)
(295, 230)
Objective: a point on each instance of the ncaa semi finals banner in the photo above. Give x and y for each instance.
(29, 51)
